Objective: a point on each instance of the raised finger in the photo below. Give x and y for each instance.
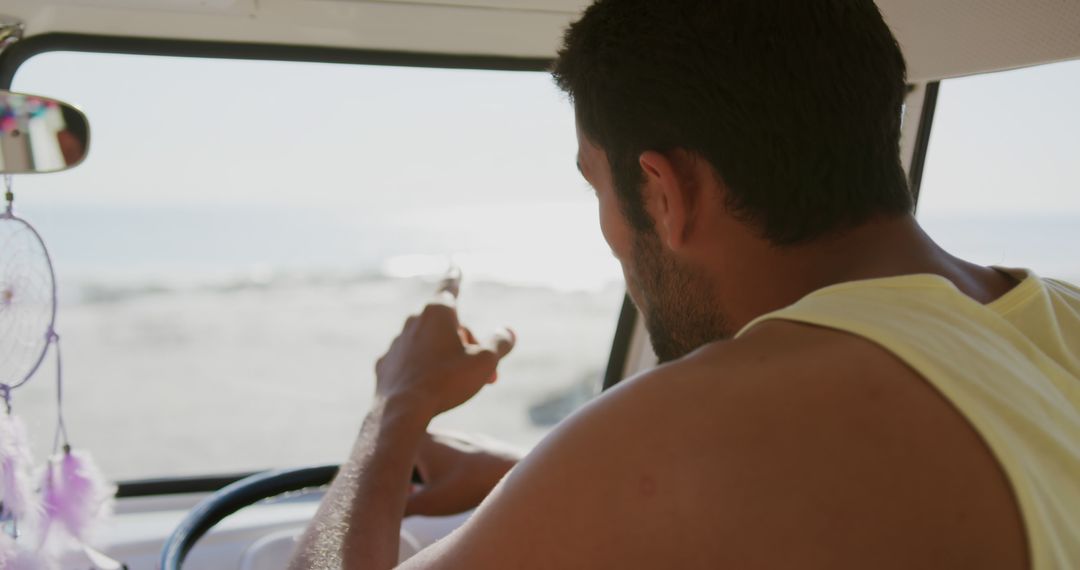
(502, 342)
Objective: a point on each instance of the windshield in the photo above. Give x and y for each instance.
(247, 237)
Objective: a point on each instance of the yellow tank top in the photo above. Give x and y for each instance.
(1012, 367)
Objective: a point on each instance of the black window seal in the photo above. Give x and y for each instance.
(21, 52)
(922, 140)
(620, 346)
(176, 485)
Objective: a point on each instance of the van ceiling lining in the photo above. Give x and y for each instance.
(532, 7)
(951, 38)
(940, 38)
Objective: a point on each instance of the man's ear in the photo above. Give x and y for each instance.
(670, 194)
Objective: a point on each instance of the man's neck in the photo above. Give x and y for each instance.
(754, 277)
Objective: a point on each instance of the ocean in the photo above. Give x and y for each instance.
(221, 341)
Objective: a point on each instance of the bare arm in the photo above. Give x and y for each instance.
(458, 472)
(359, 520)
(433, 366)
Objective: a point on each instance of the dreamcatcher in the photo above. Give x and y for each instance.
(42, 515)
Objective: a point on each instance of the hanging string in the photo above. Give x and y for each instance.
(61, 428)
(9, 195)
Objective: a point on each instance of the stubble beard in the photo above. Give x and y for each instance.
(681, 314)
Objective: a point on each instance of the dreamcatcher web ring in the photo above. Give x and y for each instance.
(50, 336)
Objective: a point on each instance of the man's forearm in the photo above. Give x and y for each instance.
(358, 524)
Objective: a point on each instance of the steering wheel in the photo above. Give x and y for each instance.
(232, 498)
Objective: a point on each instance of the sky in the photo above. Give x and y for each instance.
(331, 132)
(216, 163)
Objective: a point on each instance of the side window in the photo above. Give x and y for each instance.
(246, 238)
(1002, 178)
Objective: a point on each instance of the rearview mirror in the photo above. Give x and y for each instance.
(38, 134)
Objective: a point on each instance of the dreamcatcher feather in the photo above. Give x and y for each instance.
(14, 557)
(74, 496)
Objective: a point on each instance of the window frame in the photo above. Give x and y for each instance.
(922, 140)
(15, 55)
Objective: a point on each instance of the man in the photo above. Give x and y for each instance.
(836, 390)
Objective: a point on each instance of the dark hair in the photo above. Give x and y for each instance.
(796, 104)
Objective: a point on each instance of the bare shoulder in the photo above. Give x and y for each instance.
(794, 446)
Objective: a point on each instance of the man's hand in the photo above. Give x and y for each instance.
(458, 474)
(436, 364)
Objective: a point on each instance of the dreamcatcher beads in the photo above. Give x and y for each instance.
(9, 196)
